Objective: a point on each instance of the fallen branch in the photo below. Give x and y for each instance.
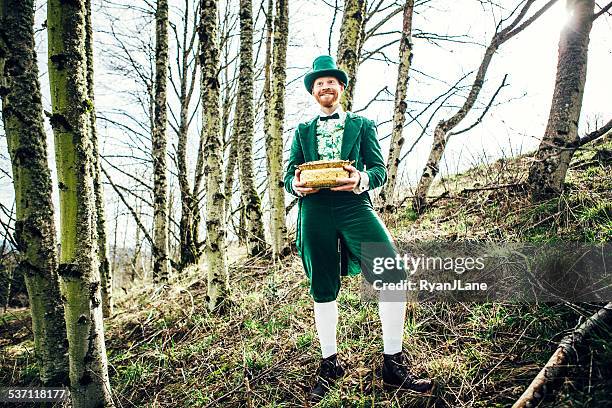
(566, 353)
(459, 196)
(495, 187)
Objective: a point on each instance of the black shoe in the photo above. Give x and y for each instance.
(395, 374)
(329, 371)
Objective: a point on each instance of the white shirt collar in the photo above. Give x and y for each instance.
(338, 110)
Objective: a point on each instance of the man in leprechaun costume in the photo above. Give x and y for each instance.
(343, 217)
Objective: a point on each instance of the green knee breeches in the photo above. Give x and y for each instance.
(328, 216)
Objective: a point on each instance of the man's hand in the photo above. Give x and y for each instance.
(298, 186)
(348, 184)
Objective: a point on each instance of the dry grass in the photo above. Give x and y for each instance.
(264, 352)
(167, 350)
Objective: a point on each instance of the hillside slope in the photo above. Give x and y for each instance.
(166, 350)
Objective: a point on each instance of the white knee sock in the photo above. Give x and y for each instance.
(326, 321)
(392, 318)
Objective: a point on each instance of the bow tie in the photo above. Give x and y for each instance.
(334, 116)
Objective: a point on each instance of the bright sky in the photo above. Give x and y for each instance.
(511, 128)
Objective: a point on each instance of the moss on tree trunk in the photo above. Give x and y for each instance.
(400, 105)
(547, 173)
(76, 167)
(159, 139)
(246, 121)
(349, 46)
(34, 227)
(215, 249)
(274, 138)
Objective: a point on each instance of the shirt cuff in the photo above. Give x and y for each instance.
(297, 193)
(364, 183)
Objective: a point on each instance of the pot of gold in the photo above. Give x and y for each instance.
(323, 173)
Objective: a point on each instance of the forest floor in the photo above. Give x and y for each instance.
(166, 350)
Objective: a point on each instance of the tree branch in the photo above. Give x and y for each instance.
(602, 131)
(479, 120)
(602, 11)
(136, 217)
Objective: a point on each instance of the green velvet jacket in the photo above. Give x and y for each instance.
(359, 143)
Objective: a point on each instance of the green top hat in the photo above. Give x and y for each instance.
(324, 66)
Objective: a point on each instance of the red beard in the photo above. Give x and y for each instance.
(328, 102)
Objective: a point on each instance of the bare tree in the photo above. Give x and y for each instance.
(400, 105)
(547, 173)
(245, 122)
(34, 224)
(190, 246)
(443, 130)
(105, 271)
(79, 263)
(159, 141)
(215, 251)
(274, 139)
(350, 44)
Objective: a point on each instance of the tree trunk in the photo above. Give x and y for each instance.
(159, 140)
(137, 258)
(79, 264)
(189, 224)
(267, 87)
(215, 250)
(105, 272)
(349, 46)
(246, 121)
(547, 173)
(274, 139)
(399, 115)
(443, 130)
(34, 226)
(230, 177)
(232, 162)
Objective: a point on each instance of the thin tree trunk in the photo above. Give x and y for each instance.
(274, 139)
(547, 173)
(34, 226)
(79, 264)
(349, 46)
(242, 223)
(232, 162)
(443, 130)
(246, 122)
(188, 249)
(136, 260)
(105, 271)
(114, 262)
(215, 249)
(267, 87)
(159, 140)
(399, 115)
(230, 176)
(231, 141)
(188, 227)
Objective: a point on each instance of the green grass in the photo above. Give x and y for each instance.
(264, 351)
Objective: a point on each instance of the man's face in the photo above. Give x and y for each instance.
(327, 91)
